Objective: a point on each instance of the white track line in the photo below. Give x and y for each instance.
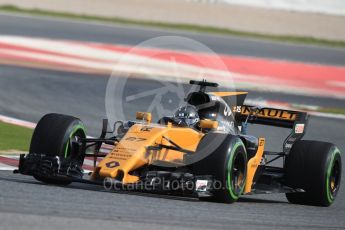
(337, 83)
(15, 121)
(128, 63)
(7, 168)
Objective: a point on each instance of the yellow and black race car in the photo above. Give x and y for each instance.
(202, 150)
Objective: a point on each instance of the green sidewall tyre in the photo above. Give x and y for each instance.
(335, 156)
(230, 165)
(52, 137)
(220, 165)
(310, 166)
(78, 128)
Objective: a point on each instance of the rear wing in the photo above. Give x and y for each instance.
(273, 117)
(294, 120)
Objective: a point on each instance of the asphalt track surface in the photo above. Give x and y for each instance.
(24, 203)
(133, 35)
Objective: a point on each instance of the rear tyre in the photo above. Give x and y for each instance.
(227, 164)
(53, 136)
(316, 168)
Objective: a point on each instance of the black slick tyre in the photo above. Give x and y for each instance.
(52, 136)
(227, 164)
(315, 167)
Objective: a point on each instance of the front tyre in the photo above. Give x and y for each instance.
(228, 166)
(54, 136)
(315, 167)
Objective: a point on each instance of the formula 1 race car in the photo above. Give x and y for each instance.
(202, 150)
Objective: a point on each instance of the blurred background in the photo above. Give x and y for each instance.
(91, 59)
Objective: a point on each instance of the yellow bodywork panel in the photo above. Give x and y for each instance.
(253, 164)
(131, 152)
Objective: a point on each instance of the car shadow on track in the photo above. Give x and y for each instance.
(261, 201)
(97, 188)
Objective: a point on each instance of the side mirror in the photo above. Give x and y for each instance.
(144, 116)
(208, 124)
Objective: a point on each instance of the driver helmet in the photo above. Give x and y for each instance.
(187, 116)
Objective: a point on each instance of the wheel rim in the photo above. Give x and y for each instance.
(238, 174)
(334, 179)
(77, 132)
